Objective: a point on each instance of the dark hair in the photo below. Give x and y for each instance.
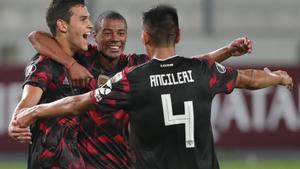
(108, 15)
(161, 22)
(60, 9)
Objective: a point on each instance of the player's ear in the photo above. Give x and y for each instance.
(62, 26)
(145, 37)
(178, 36)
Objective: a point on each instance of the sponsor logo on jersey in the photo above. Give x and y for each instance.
(167, 65)
(102, 79)
(221, 69)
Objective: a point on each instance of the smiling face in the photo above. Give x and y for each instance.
(79, 27)
(111, 37)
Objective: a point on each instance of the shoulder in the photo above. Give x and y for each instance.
(136, 59)
(39, 59)
(207, 61)
(192, 62)
(41, 63)
(204, 63)
(40, 67)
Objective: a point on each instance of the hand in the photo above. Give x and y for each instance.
(286, 79)
(21, 135)
(240, 46)
(26, 117)
(80, 76)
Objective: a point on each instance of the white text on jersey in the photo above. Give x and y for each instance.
(171, 78)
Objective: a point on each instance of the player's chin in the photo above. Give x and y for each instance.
(84, 44)
(84, 47)
(114, 55)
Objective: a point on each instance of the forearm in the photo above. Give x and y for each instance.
(30, 97)
(46, 45)
(256, 79)
(20, 106)
(72, 105)
(218, 55)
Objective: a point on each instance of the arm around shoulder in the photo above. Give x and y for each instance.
(46, 45)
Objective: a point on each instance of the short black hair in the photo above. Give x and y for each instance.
(108, 15)
(161, 22)
(60, 9)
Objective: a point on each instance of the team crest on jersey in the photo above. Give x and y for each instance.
(105, 89)
(220, 68)
(102, 79)
(31, 68)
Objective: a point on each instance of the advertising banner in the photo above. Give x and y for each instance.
(266, 118)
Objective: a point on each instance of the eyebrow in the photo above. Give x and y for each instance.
(84, 16)
(109, 29)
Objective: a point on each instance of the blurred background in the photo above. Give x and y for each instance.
(258, 129)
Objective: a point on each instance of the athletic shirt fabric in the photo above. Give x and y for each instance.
(169, 107)
(103, 136)
(54, 140)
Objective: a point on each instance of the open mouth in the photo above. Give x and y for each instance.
(114, 47)
(85, 35)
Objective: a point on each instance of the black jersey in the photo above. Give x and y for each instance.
(169, 106)
(103, 136)
(54, 140)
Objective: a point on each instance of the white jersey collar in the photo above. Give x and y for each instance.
(171, 57)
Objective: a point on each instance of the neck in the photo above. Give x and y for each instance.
(65, 45)
(162, 52)
(109, 63)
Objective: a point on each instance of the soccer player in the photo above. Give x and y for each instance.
(168, 99)
(103, 138)
(54, 140)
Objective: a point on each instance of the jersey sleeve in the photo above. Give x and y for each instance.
(38, 72)
(114, 94)
(221, 79)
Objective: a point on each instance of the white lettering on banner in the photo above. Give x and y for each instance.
(9, 97)
(215, 109)
(13, 96)
(259, 107)
(234, 107)
(283, 108)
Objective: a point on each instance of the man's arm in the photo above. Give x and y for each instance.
(238, 47)
(46, 45)
(256, 79)
(30, 97)
(72, 105)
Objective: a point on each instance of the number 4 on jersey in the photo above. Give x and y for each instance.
(187, 118)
